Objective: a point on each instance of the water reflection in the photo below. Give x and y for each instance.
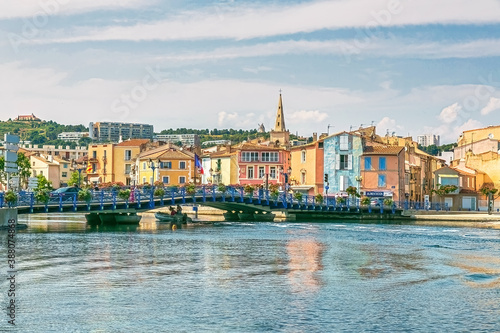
(480, 271)
(305, 261)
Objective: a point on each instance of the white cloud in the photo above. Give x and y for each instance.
(42, 8)
(388, 125)
(493, 105)
(247, 22)
(450, 113)
(299, 117)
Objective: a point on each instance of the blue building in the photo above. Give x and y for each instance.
(342, 155)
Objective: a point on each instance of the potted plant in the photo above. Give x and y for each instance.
(124, 194)
(365, 201)
(190, 189)
(340, 200)
(319, 198)
(388, 202)
(10, 198)
(159, 192)
(298, 196)
(249, 189)
(221, 188)
(84, 195)
(42, 196)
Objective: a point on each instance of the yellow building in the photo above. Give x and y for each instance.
(224, 167)
(124, 156)
(64, 169)
(168, 164)
(100, 158)
(471, 136)
(307, 168)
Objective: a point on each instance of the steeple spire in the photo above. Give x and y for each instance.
(280, 117)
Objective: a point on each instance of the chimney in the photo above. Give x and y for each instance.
(315, 136)
(228, 148)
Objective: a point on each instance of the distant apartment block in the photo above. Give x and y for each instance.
(113, 132)
(217, 142)
(65, 152)
(72, 136)
(428, 140)
(185, 139)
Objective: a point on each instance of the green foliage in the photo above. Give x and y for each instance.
(85, 195)
(23, 163)
(3, 174)
(10, 197)
(388, 202)
(274, 194)
(221, 188)
(190, 189)
(488, 189)
(319, 198)
(444, 189)
(124, 194)
(159, 192)
(43, 184)
(249, 189)
(42, 196)
(74, 179)
(340, 200)
(365, 201)
(353, 191)
(298, 196)
(436, 150)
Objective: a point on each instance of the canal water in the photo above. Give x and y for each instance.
(252, 277)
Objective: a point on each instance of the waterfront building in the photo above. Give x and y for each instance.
(115, 132)
(65, 152)
(124, 156)
(428, 140)
(467, 181)
(185, 139)
(382, 171)
(169, 164)
(101, 163)
(224, 166)
(342, 153)
(72, 136)
(307, 167)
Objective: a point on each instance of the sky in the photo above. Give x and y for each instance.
(409, 67)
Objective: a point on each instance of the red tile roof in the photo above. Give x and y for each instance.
(382, 150)
(132, 143)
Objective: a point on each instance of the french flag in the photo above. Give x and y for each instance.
(197, 163)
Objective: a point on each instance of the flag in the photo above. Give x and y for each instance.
(197, 163)
(89, 168)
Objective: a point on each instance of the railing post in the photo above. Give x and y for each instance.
(393, 208)
(357, 205)
(284, 200)
(213, 193)
(138, 198)
(172, 192)
(101, 207)
(151, 199)
(406, 205)
(307, 205)
(370, 207)
(183, 193)
(242, 196)
(1, 200)
(204, 193)
(267, 197)
(113, 193)
(74, 202)
(259, 197)
(32, 201)
(60, 202)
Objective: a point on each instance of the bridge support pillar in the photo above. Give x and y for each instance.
(7, 214)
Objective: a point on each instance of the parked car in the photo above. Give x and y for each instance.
(65, 191)
(376, 202)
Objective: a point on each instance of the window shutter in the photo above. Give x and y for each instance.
(337, 161)
(349, 162)
(341, 183)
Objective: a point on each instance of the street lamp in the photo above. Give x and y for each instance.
(286, 176)
(154, 166)
(79, 169)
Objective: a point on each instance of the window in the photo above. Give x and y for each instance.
(381, 181)
(65, 166)
(272, 172)
(269, 157)
(381, 163)
(165, 165)
(94, 154)
(94, 167)
(249, 156)
(343, 183)
(344, 142)
(344, 162)
(165, 179)
(41, 172)
(105, 153)
(34, 173)
(128, 155)
(368, 163)
(151, 181)
(250, 173)
(144, 180)
(182, 165)
(261, 172)
(303, 156)
(128, 168)
(144, 166)
(182, 180)
(303, 178)
(320, 145)
(65, 174)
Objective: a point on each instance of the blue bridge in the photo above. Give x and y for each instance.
(233, 199)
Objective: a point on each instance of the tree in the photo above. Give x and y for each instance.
(75, 176)
(442, 190)
(23, 163)
(3, 175)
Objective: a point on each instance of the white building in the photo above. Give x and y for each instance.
(72, 136)
(185, 139)
(428, 140)
(113, 132)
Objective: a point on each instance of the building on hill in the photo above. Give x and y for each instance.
(72, 136)
(279, 135)
(29, 117)
(114, 132)
(428, 140)
(185, 139)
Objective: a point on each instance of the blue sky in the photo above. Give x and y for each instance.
(409, 67)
